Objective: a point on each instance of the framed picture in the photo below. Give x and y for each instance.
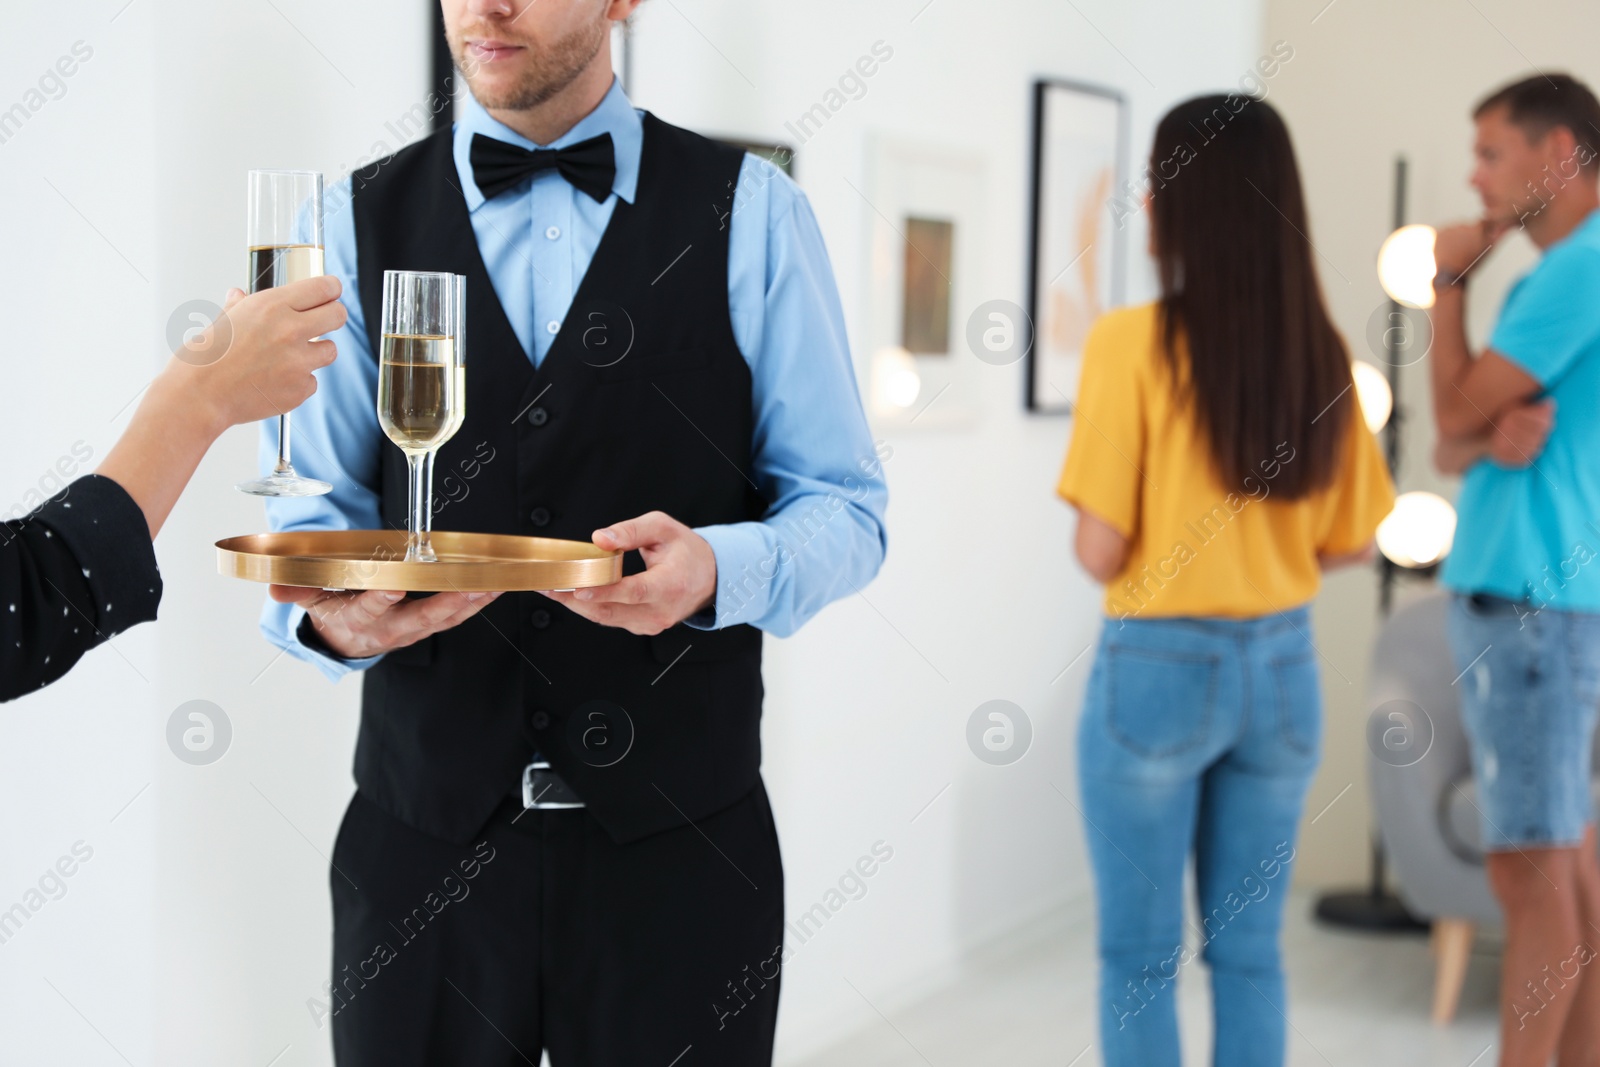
(925, 210)
(1077, 254)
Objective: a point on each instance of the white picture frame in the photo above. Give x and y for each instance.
(909, 180)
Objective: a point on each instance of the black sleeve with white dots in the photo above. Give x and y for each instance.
(73, 574)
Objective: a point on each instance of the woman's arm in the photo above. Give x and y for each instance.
(1100, 548)
(80, 570)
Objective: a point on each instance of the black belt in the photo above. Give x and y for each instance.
(1494, 602)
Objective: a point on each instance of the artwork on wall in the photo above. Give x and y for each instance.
(925, 303)
(1079, 139)
(924, 208)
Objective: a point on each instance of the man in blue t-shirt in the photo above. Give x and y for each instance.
(1525, 569)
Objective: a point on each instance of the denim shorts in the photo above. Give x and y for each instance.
(1530, 686)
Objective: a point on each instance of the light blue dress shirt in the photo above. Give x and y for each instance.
(812, 454)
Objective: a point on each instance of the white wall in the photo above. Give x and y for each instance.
(199, 929)
(79, 272)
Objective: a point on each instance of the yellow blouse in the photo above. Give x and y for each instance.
(1138, 461)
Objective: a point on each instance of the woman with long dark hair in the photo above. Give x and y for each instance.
(1219, 463)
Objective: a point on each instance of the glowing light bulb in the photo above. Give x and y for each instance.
(895, 381)
(1372, 390)
(1419, 531)
(1406, 266)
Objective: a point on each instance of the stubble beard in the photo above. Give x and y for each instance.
(550, 72)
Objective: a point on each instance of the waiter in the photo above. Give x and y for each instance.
(560, 840)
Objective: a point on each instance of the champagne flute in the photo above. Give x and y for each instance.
(459, 413)
(418, 383)
(283, 229)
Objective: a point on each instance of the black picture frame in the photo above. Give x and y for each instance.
(441, 70)
(1035, 398)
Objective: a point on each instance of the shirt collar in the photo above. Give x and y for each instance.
(613, 115)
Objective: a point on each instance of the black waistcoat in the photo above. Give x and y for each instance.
(642, 403)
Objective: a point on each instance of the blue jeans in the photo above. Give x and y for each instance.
(1199, 736)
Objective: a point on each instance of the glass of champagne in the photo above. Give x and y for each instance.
(419, 383)
(458, 413)
(284, 234)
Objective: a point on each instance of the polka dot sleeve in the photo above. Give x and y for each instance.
(73, 574)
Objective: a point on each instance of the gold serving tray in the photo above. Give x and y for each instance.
(375, 559)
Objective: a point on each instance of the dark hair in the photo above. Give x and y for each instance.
(1539, 104)
(1239, 291)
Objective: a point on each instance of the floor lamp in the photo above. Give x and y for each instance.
(1374, 907)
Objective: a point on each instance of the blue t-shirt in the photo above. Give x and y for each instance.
(1535, 531)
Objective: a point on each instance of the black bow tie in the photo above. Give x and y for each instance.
(589, 165)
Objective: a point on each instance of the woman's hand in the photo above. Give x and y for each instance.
(256, 360)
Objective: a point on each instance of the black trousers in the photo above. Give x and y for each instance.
(548, 935)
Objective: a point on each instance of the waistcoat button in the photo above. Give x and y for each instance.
(540, 618)
(540, 516)
(538, 416)
(540, 720)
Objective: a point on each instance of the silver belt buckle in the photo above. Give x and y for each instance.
(542, 788)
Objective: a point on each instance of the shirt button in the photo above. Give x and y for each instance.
(540, 516)
(552, 326)
(538, 416)
(540, 618)
(540, 720)
(553, 232)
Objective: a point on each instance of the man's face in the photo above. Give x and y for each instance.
(516, 54)
(1510, 166)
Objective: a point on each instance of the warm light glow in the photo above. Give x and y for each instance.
(1406, 267)
(1372, 389)
(1419, 531)
(895, 381)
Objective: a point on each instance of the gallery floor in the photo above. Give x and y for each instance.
(1357, 1001)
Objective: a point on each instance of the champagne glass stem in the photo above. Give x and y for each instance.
(284, 466)
(416, 461)
(427, 509)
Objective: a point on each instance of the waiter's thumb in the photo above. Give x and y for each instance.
(647, 529)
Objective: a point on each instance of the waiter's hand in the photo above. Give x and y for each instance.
(361, 624)
(679, 579)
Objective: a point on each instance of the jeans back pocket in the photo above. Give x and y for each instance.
(1297, 692)
(1160, 703)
